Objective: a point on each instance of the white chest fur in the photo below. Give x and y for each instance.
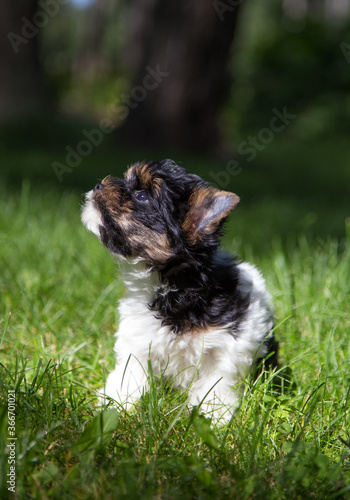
(211, 364)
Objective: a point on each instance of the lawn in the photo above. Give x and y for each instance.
(59, 290)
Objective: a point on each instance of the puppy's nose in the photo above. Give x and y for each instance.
(98, 186)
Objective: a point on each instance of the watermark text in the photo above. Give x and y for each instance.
(120, 109)
(30, 27)
(11, 441)
(249, 148)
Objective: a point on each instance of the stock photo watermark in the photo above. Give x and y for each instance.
(154, 77)
(30, 27)
(11, 441)
(74, 157)
(250, 148)
(120, 109)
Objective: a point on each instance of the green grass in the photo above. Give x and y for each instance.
(59, 289)
(58, 295)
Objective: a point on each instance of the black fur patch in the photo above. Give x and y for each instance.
(201, 293)
(199, 283)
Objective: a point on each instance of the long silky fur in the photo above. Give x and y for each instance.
(200, 316)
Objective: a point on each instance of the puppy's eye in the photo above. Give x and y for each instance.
(141, 196)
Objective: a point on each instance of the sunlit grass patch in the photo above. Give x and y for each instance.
(58, 295)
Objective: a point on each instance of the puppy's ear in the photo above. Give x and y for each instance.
(207, 207)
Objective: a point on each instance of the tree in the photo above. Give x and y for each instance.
(97, 50)
(22, 88)
(185, 45)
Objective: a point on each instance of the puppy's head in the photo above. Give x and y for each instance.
(158, 212)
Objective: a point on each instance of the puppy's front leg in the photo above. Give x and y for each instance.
(217, 397)
(127, 382)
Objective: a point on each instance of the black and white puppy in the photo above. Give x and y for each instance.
(201, 318)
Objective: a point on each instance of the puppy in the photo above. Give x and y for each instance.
(198, 316)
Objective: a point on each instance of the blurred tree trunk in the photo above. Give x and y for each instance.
(93, 58)
(184, 47)
(315, 7)
(22, 88)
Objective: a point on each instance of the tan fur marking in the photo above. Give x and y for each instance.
(199, 222)
(145, 176)
(125, 221)
(107, 180)
(154, 245)
(195, 201)
(128, 174)
(113, 201)
(147, 179)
